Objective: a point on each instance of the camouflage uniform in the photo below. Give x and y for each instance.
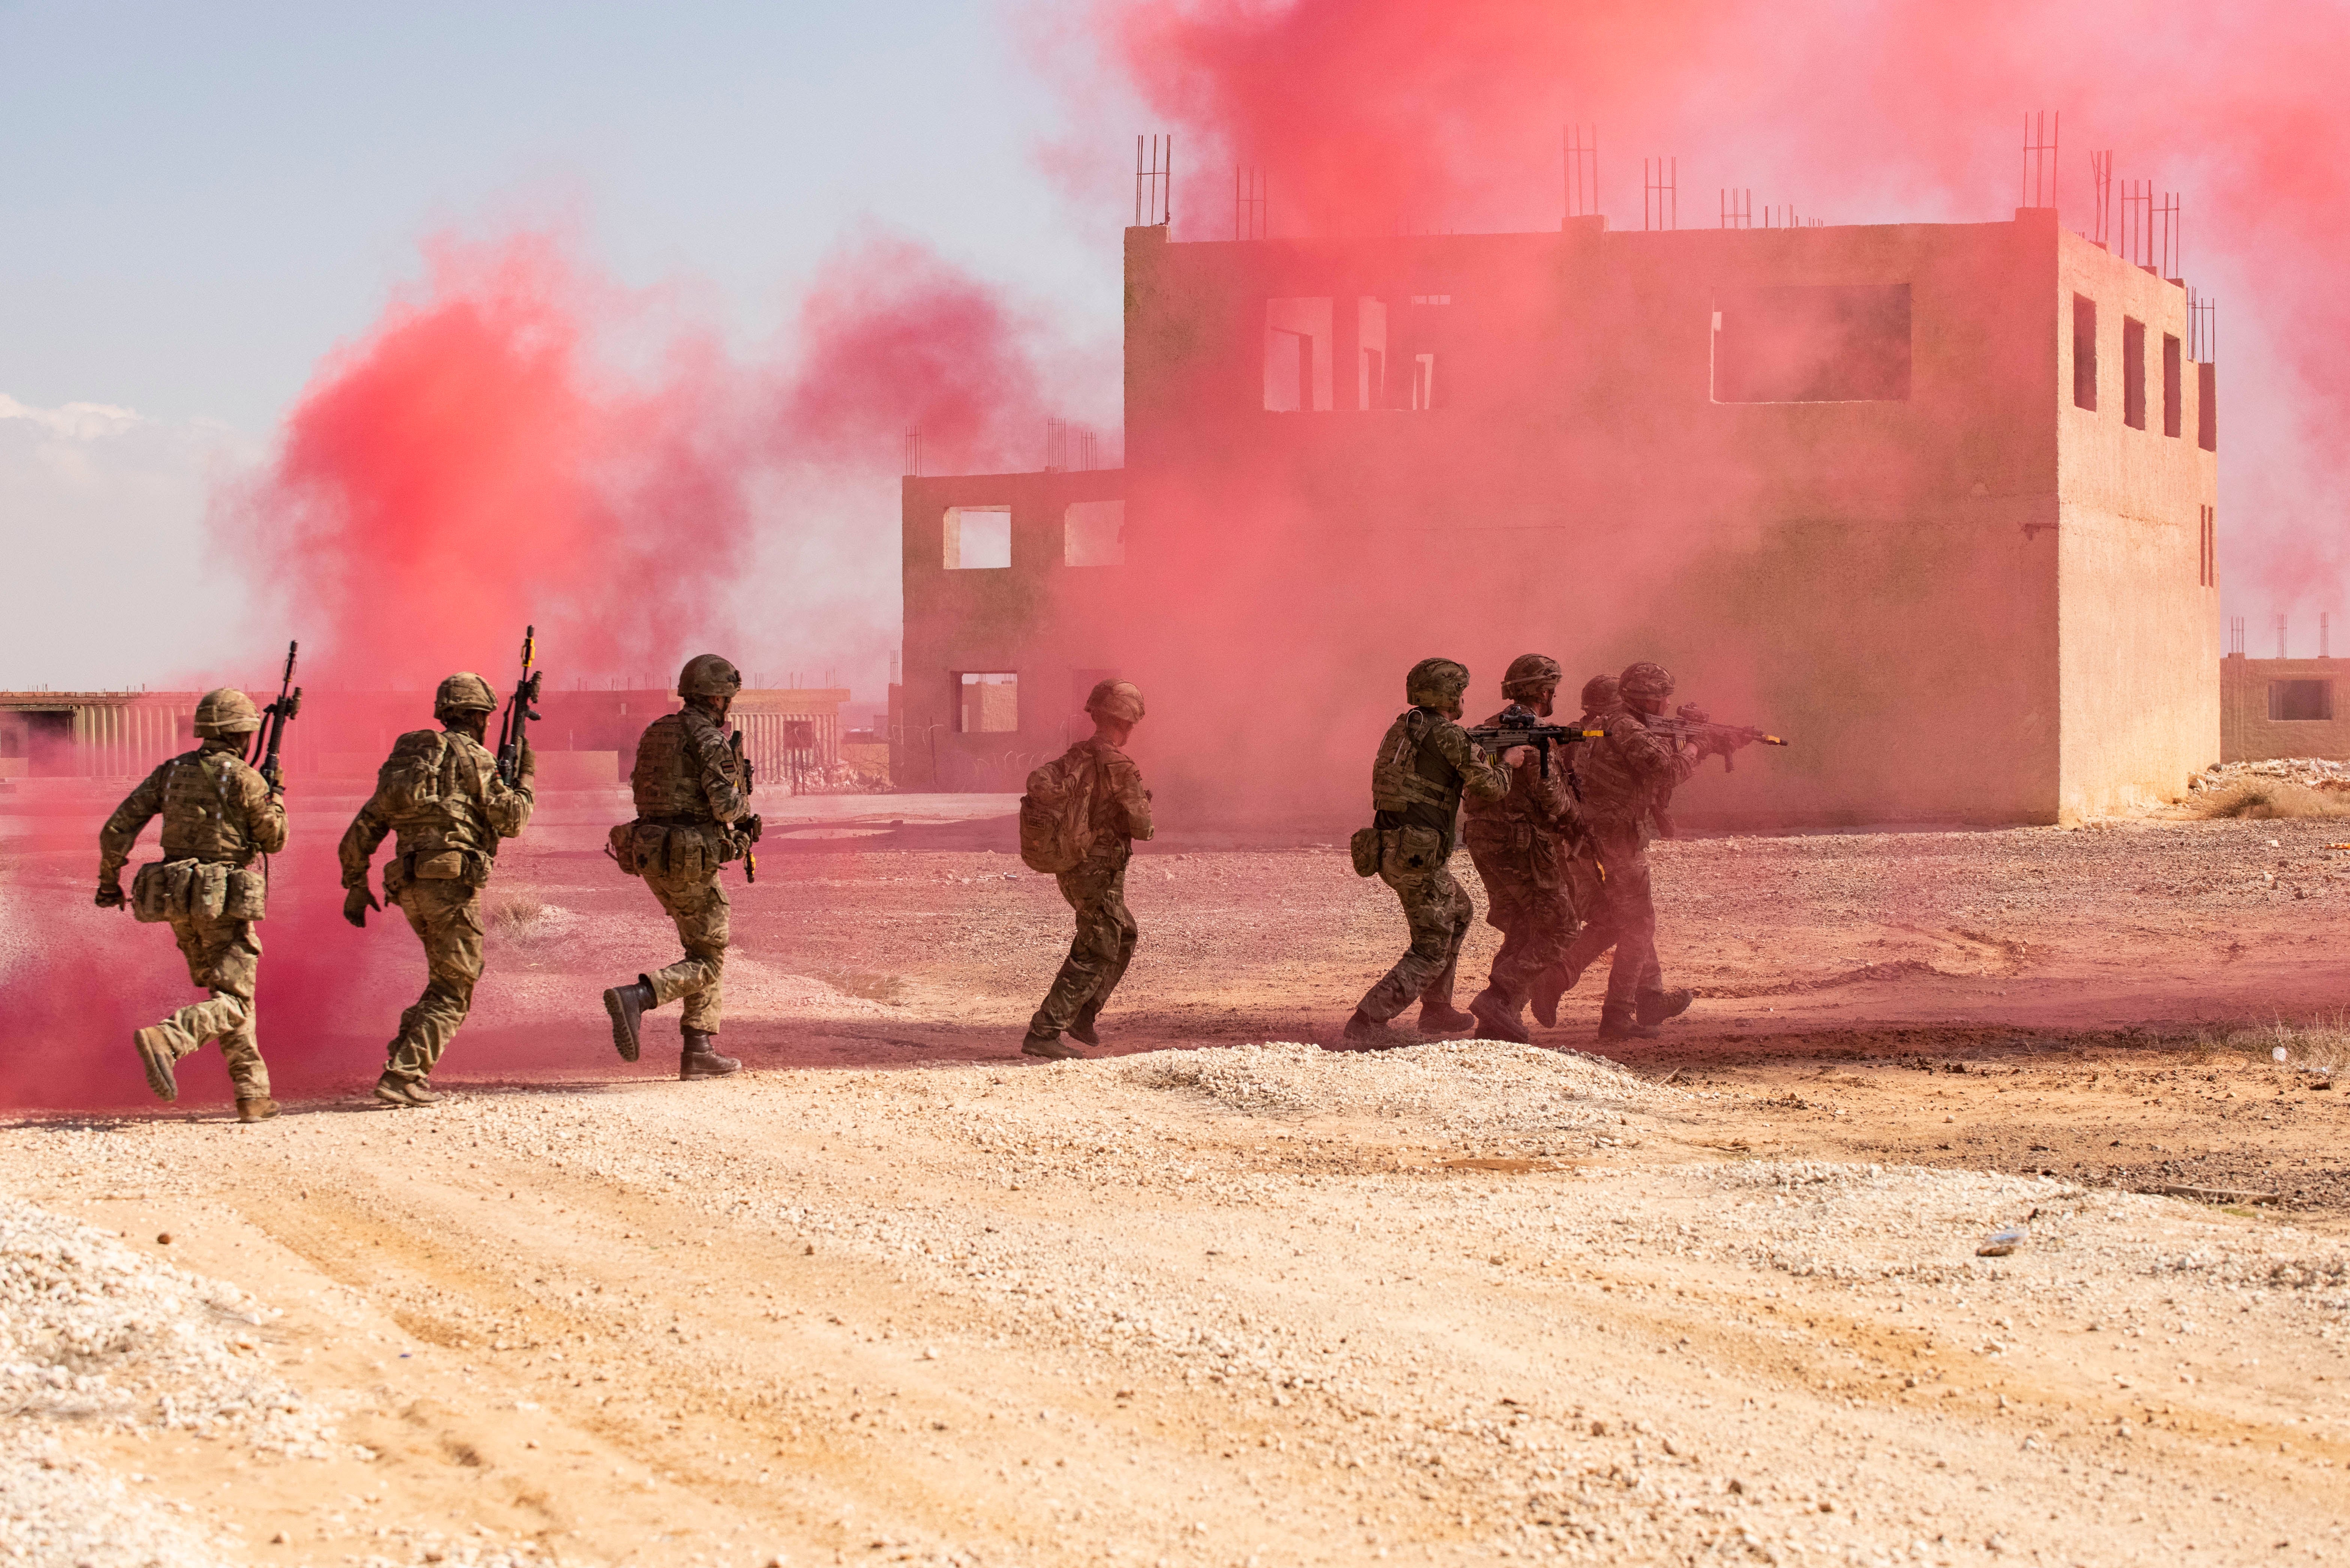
(1523, 846)
(1426, 763)
(686, 780)
(1627, 778)
(216, 811)
(1106, 933)
(441, 793)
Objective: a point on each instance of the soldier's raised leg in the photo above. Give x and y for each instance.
(224, 957)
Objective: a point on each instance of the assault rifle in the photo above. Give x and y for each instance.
(749, 826)
(274, 719)
(1723, 739)
(1519, 725)
(520, 712)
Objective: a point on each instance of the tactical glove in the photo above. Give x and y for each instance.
(750, 828)
(109, 895)
(528, 771)
(357, 902)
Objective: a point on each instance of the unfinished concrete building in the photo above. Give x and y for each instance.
(2283, 708)
(1936, 500)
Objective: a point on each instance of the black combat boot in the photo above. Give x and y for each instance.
(627, 1005)
(1618, 1021)
(701, 1058)
(1048, 1043)
(1496, 1023)
(1655, 1006)
(1443, 1018)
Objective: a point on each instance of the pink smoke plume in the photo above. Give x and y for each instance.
(484, 458)
(1371, 116)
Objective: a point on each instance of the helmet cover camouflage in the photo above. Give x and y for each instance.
(464, 692)
(226, 711)
(707, 675)
(1598, 692)
(1529, 672)
(1117, 700)
(1436, 684)
(1646, 682)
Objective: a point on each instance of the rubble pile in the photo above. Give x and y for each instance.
(2310, 773)
(92, 1331)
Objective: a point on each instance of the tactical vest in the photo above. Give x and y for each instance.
(1413, 784)
(203, 809)
(431, 788)
(1613, 794)
(666, 780)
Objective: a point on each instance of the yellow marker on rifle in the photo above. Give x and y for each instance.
(743, 767)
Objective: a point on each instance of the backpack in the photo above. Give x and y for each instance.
(1056, 817)
(409, 782)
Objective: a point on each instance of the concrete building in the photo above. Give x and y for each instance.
(2283, 708)
(1936, 501)
(1014, 586)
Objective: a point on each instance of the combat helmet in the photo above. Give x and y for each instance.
(707, 675)
(1645, 682)
(1436, 684)
(1598, 692)
(1528, 673)
(225, 712)
(463, 692)
(1117, 700)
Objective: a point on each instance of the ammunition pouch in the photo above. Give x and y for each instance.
(680, 850)
(1364, 849)
(197, 890)
(468, 866)
(1410, 851)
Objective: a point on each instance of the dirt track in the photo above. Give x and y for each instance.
(1272, 1304)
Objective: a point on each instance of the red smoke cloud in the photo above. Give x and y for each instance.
(1374, 116)
(483, 458)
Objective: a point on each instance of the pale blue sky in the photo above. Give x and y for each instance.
(197, 200)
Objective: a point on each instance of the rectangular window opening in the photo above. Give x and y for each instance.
(2295, 701)
(1423, 380)
(1093, 534)
(1841, 343)
(2133, 373)
(2174, 394)
(1371, 353)
(2084, 353)
(989, 703)
(2207, 563)
(978, 538)
(1296, 355)
(2207, 407)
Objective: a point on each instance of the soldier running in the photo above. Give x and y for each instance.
(441, 792)
(692, 793)
(218, 814)
(1426, 763)
(1522, 846)
(1628, 778)
(1104, 944)
(1586, 886)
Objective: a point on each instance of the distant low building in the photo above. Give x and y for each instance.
(2283, 708)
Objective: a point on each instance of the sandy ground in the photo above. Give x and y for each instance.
(898, 1294)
